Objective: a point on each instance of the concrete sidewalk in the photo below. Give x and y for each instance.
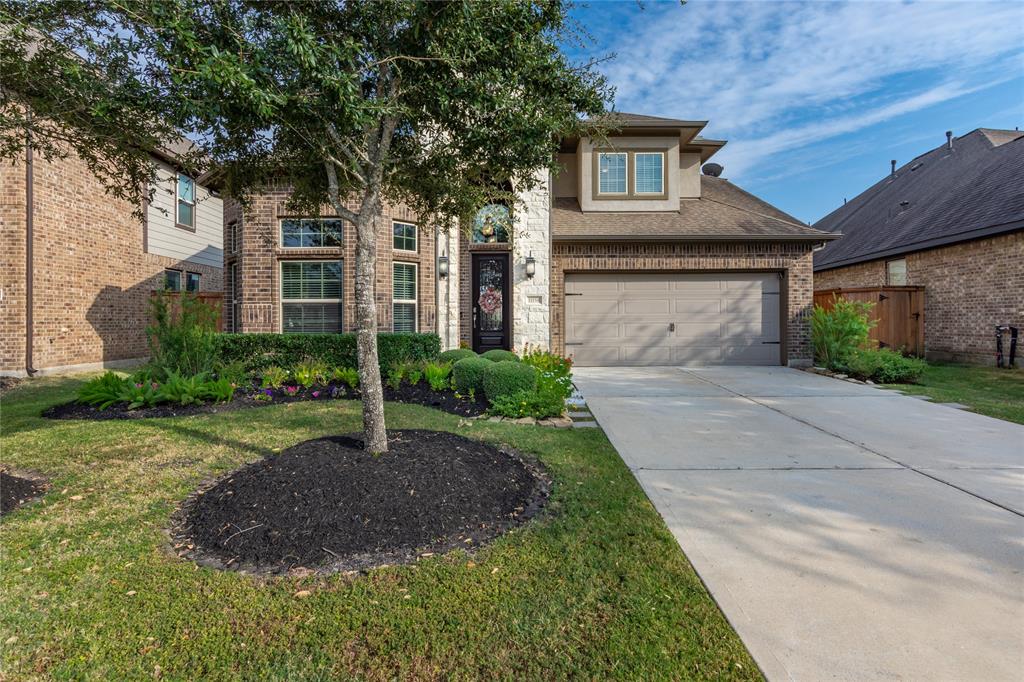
(848, 533)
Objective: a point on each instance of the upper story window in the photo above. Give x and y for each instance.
(310, 233)
(650, 172)
(896, 272)
(186, 202)
(492, 224)
(612, 172)
(232, 237)
(404, 237)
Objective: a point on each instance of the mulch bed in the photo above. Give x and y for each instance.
(327, 505)
(420, 394)
(17, 490)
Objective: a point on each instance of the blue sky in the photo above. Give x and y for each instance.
(815, 98)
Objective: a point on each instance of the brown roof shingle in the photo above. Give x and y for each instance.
(724, 211)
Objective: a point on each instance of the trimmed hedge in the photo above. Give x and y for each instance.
(507, 378)
(468, 375)
(259, 351)
(499, 355)
(456, 354)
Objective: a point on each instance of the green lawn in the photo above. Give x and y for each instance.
(996, 392)
(595, 589)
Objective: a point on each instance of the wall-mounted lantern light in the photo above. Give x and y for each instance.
(442, 267)
(531, 266)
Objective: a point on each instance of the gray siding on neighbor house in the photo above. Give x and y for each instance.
(164, 238)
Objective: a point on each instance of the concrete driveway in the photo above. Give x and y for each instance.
(847, 532)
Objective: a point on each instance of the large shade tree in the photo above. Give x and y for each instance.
(441, 105)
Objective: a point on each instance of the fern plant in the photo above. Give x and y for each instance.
(347, 375)
(103, 391)
(274, 377)
(310, 372)
(437, 374)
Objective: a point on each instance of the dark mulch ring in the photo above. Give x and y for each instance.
(419, 394)
(326, 505)
(17, 490)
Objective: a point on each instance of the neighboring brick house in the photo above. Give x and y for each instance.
(628, 257)
(952, 221)
(77, 267)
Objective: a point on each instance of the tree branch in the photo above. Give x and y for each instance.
(335, 197)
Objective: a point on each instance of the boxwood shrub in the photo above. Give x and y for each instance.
(456, 354)
(259, 351)
(509, 377)
(468, 375)
(498, 355)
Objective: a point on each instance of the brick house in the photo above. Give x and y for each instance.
(952, 221)
(630, 256)
(77, 267)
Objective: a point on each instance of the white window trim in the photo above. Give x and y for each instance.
(888, 272)
(612, 194)
(281, 300)
(636, 167)
(178, 200)
(415, 236)
(280, 234)
(414, 301)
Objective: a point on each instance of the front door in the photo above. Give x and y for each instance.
(490, 291)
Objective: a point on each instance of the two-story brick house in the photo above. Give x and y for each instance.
(630, 256)
(77, 267)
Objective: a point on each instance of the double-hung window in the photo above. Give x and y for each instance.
(192, 282)
(186, 216)
(649, 172)
(310, 233)
(311, 297)
(403, 297)
(612, 173)
(404, 237)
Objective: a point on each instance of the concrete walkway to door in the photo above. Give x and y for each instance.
(847, 532)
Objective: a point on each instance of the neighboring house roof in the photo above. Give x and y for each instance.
(723, 211)
(941, 197)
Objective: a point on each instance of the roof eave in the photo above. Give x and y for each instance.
(695, 238)
(990, 231)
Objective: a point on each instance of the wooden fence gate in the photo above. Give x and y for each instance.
(898, 313)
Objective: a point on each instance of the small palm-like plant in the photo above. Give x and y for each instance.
(839, 331)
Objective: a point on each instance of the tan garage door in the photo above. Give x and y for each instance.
(666, 319)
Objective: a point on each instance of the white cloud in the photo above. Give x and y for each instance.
(772, 75)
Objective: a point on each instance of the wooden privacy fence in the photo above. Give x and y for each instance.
(898, 313)
(210, 298)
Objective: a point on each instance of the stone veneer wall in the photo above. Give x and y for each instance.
(92, 277)
(531, 297)
(260, 254)
(792, 259)
(531, 302)
(969, 289)
(448, 313)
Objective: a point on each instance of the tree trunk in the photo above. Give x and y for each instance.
(374, 431)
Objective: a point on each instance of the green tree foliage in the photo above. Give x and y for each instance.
(445, 106)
